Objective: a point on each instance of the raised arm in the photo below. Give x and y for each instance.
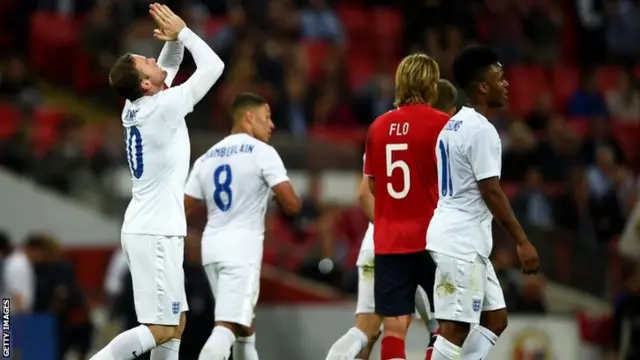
(170, 59)
(208, 65)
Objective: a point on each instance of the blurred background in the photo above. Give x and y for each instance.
(571, 136)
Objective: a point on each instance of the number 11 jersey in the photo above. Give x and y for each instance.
(469, 150)
(400, 158)
(234, 179)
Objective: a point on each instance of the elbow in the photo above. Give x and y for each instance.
(214, 69)
(292, 206)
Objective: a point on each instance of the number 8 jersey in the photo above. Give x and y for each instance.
(234, 178)
(399, 157)
(468, 150)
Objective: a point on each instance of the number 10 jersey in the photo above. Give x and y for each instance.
(234, 178)
(468, 150)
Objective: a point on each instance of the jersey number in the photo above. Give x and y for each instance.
(400, 165)
(446, 186)
(222, 194)
(133, 141)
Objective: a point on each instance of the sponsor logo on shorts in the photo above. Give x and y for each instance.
(175, 307)
(476, 305)
(445, 286)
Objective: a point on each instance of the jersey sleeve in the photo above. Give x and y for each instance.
(485, 153)
(272, 167)
(170, 59)
(193, 187)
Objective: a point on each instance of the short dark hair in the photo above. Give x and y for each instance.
(471, 64)
(124, 78)
(447, 95)
(38, 241)
(246, 100)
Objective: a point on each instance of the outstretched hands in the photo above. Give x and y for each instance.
(169, 24)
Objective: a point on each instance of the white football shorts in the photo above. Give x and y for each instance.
(235, 288)
(463, 289)
(155, 263)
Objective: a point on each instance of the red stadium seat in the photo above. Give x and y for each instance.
(628, 135)
(580, 126)
(608, 78)
(528, 83)
(360, 69)
(48, 116)
(213, 25)
(11, 117)
(44, 137)
(86, 78)
(565, 80)
(355, 23)
(316, 52)
(387, 23)
(50, 50)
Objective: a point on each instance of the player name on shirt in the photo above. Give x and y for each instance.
(230, 150)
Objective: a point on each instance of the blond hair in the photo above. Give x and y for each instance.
(447, 95)
(417, 80)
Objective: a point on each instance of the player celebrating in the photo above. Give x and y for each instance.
(404, 182)
(158, 151)
(359, 340)
(235, 179)
(459, 239)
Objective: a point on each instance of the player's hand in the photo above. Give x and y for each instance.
(169, 24)
(528, 255)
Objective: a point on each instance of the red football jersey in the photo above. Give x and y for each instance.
(400, 157)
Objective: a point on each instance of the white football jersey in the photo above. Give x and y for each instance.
(468, 150)
(158, 153)
(234, 178)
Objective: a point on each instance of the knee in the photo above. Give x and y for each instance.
(163, 333)
(369, 324)
(396, 326)
(495, 321)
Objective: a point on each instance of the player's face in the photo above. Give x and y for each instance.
(496, 87)
(261, 123)
(153, 75)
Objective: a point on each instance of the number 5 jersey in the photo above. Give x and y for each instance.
(234, 178)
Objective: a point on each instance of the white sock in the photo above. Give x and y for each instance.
(167, 351)
(218, 346)
(478, 344)
(445, 350)
(349, 345)
(128, 345)
(245, 348)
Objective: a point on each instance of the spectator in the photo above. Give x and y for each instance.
(587, 101)
(623, 31)
(543, 28)
(626, 331)
(541, 114)
(624, 100)
(559, 153)
(573, 210)
(533, 206)
(508, 276)
(62, 165)
(319, 22)
(600, 174)
(16, 151)
(376, 97)
(600, 134)
(100, 37)
(18, 274)
(233, 30)
(505, 30)
(590, 30)
(520, 152)
(17, 85)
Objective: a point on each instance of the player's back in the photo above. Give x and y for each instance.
(158, 154)
(400, 159)
(469, 150)
(235, 190)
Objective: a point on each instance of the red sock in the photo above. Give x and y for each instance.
(429, 354)
(392, 348)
